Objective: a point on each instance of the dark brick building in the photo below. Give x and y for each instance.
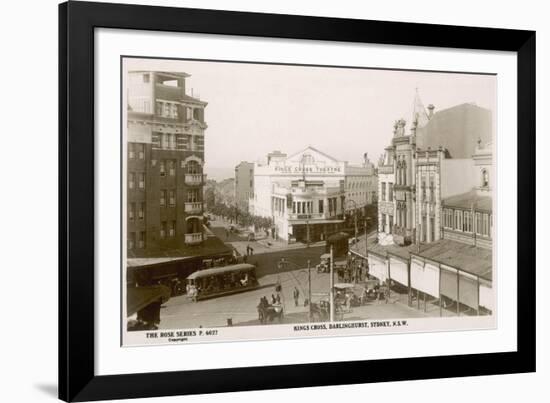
(165, 158)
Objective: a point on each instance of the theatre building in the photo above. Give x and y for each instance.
(306, 194)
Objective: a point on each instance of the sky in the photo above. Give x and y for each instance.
(257, 108)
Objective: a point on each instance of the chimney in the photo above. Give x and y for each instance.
(430, 111)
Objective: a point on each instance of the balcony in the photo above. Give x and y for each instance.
(193, 207)
(194, 179)
(193, 238)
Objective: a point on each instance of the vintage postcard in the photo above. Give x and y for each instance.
(266, 201)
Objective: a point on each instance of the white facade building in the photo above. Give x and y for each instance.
(307, 194)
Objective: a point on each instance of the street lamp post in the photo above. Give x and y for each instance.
(354, 215)
(366, 248)
(331, 292)
(307, 229)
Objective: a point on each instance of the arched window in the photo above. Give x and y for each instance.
(398, 172)
(193, 167)
(484, 178)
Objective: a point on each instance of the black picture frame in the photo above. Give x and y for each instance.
(77, 21)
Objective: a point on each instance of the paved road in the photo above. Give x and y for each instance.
(179, 312)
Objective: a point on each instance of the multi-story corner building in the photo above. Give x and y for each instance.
(306, 194)
(165, 158)
(244, 185)
(434, 181)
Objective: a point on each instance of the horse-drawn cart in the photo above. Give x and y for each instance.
(267, 313)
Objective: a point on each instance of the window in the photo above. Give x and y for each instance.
(458, 220)
(142, 180)
(193, 167)
(197, 114)
(141, 151)
(404, 173)
(163, 229)
(448, 218)
(142, 240)
(172, 231)
(172, 141)
(479, 224)
(390, 191)
(192, 196)
(146, 78)
(432, 190)
(131, 152)
(398, 173)
(131, 211)
(172, 167)
(423, 189)
(131, 240)
(467, 224)
(383, 191)
(485, 231)
(172, 198)
(163, 140)
(131, 180)
(484, 178)
(163, 198)
(321, 206)
(141, 211)
(162, 168)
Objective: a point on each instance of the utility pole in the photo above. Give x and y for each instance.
(309, 288)
(307, 229)
(355, 215)
(366, 249)
(331, 293)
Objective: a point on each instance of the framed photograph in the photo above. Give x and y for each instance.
(258, 201)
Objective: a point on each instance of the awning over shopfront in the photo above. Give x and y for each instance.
(449, 283)
(486, 296)
(399, 270)
(138, 298)
(378, 267)
(425, 276)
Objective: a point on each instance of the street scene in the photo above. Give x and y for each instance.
(304, 226)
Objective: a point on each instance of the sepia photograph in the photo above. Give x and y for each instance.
(265, 201)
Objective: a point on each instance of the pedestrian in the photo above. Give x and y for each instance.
(247, 250)
(251, 251)
(296, 295)
(279, 299)
(273, 299)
